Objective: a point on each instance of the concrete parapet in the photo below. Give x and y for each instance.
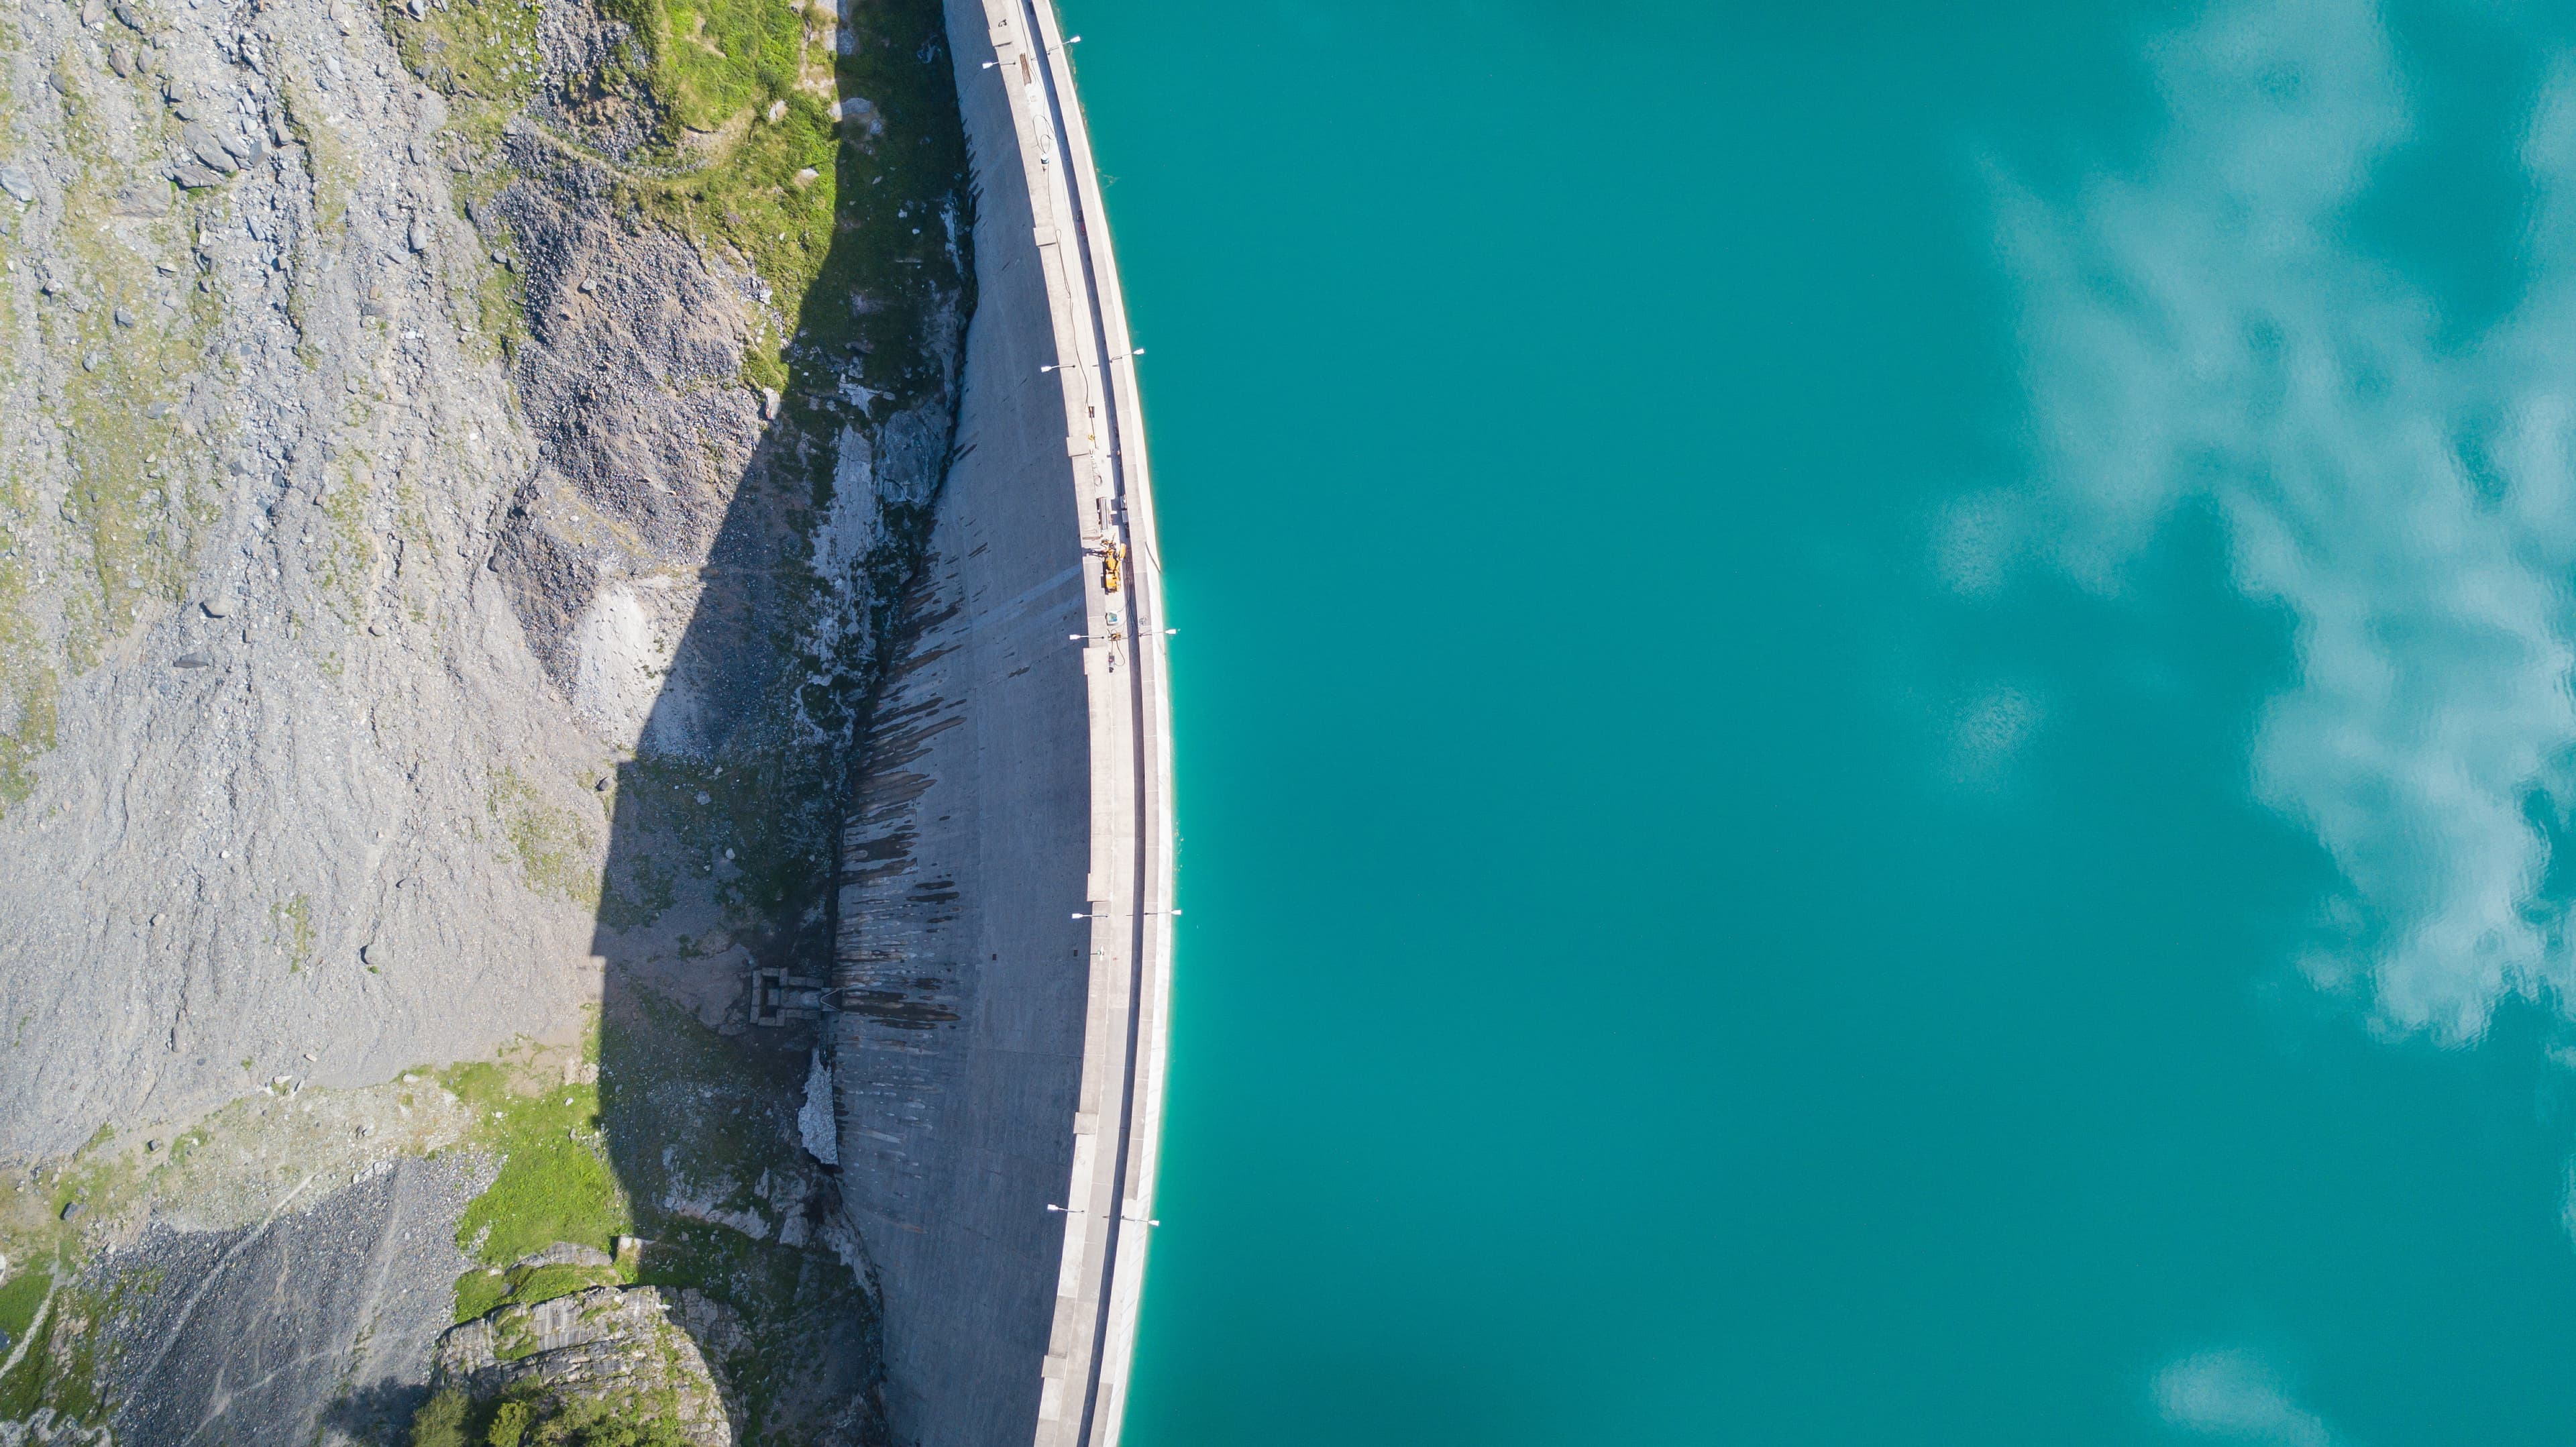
(1004, 954)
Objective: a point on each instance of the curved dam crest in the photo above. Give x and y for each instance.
(1004, 947)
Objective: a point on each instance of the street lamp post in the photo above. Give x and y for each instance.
(1105, 361)
(1078, 1211)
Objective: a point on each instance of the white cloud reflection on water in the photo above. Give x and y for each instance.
(2232, 1395)
(1988, 733)
(2203, 331)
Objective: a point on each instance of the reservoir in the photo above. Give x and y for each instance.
(1871, 704)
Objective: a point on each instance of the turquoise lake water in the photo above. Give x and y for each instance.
(1872, 701)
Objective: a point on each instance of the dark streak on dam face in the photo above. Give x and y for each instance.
(961, 1034)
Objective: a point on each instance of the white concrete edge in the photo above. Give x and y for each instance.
(1118, 1130)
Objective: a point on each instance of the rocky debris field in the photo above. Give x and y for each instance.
(312, 1321)
(259, 683)
(463, 459)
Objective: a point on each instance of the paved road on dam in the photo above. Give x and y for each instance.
(1111, 1280)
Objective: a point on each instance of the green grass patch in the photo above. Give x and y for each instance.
(30, 697)
(545, 1283)
(290, 929)
(30, 684)
(553, 846)
(486, 1289)
(744, 156)
(715, 58)
(555, 1183)
(348, 547)
(116, 541)
(501, 303)
(754, 199)
(477, 49)
(481, 1290)
(530, 1416)
(60, 1368)
(514, 1336)
(19, 1298)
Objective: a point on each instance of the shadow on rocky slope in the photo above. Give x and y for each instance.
(778, 531)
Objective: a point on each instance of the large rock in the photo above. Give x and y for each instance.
(631, 1347)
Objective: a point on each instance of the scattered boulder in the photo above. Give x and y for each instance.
(16, 181)
(147, 197)
(202, 144)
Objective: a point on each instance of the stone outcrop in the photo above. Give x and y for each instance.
(633, 1347)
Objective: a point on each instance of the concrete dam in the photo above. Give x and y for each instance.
(1003, 960)
(583, 736)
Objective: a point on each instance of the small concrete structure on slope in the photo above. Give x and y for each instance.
(1005, 950)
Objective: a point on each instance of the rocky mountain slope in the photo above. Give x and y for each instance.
(460, 461)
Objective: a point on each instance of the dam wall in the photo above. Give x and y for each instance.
(1003, 956)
